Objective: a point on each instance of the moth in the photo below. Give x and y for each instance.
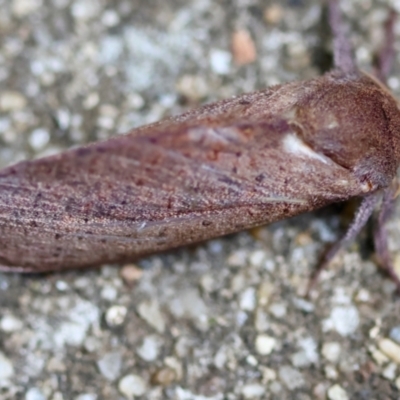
(219, 169)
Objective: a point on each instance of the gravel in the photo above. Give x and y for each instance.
(224, 320)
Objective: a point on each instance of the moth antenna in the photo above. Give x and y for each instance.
(387, 55)
(342, 50)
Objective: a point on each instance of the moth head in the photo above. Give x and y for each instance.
(356, 123)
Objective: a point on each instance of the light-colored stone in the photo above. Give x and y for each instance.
(307, 354)
(390, 371)
(115, 315)
(34, 393)
(253, 390)
(22, 8)
(292, 378)
(220, 62)
(278, 310)
(9, 323)
(6, 368)
(331, 351)
(265, 344)
(344, 319)
(149, 349)
(247, 299)
(39, 138)
(131, 386)
(12, 101)
(151, 313)
(336, 392)
(390, 348)
(110, 365)
(86, 396)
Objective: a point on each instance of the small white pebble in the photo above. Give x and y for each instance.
(22, 8)
(207, 283)
(111, 49)
(6, 368)
(9, 323)
(319, 391)
(395, 334)
(269, 265)
(257, 258)
(247, 300)
(268, 374)
(241, 318)
(192, 87)
(291, 377)
(221, 358)
(237, 258)
(331, 351)
(109, 292)
(363, 296)
(151, 313)
(308, 353)
(12, 101)
(378, 356)
(62, 286)
(110, 365)
(393, 82)
(175, 365)
(261, 321)
(253, 390)
(390, 348)
(374, 332)
(91, 101)
(85, 9)
(63, 118)
(331, 372)
(341, 296)
(265, 344)
(85, 396)
(220, 61)
(344, 320)
(91, 344)
(34, 394)
(278, 310)
(264, 293)
(397, 382)
(336, 392)
(149, 349)
(131, 386)
(110, 18)
(115, 315)
(251, 360)
(39, 138)
(303, 305)
(135, 101)
(363, 55)
(389, 372)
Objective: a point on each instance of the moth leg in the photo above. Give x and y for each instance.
(361, 217)
(342, 50)
(380, 235)
(387, 55)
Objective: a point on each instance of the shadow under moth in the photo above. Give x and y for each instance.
(219, 169)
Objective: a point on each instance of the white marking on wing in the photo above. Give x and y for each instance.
(293, 144)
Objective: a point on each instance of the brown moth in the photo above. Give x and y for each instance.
(228, 166)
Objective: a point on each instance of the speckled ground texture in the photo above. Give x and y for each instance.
(222, 320)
